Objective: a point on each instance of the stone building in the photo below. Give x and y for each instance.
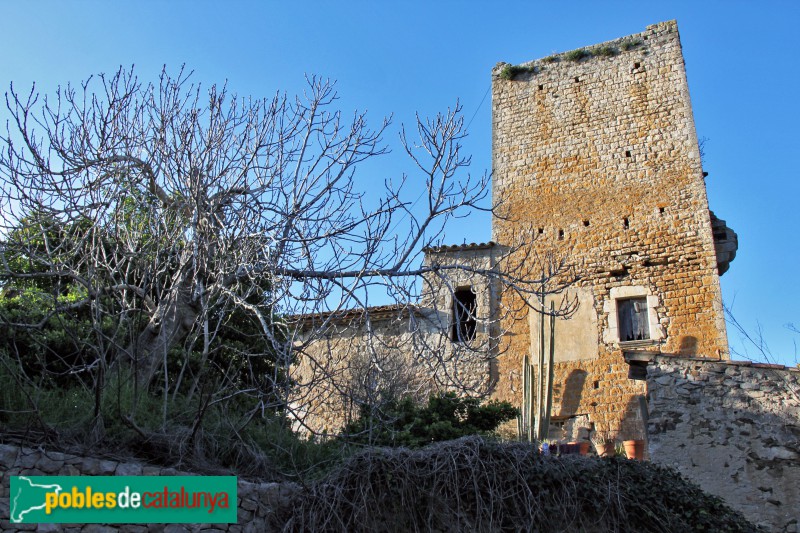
(445, 341)
(596, 168)
(595, 150)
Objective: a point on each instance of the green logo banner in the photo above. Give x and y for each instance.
(123, 499)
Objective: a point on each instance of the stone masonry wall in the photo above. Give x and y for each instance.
(595, 158)
(733, 428)
(362, 357)
(260, 505)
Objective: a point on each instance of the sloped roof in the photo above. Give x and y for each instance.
(376, 312)
(460, 247)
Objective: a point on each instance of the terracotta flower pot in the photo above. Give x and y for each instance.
(634, 449)
(581, 447)
(606, 449)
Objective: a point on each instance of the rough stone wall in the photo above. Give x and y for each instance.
(734, 428)
(363, 357)
(353, 362)
(260, 505)
(597, 159)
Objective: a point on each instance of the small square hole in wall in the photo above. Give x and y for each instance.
(636, 65)
(586, 223)
(661, 210)
(577, 79)
(541, 87)
(561, 235)
(541, 230)
(596, 385)
(627, 153)
(626, 223)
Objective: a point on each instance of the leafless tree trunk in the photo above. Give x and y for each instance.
(169, 208)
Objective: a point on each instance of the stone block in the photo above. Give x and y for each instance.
(69, 470)
(8, 455)
(128, 469)
(48, 464)
(247, 504)
(98, 467)
(28, 460)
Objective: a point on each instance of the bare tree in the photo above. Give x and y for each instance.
(169, 214)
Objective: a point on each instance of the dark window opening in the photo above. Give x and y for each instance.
(561, 235)
(662, 209)
(627, 153)
(577, 79)
(626, 223)
(541, 230)
(596, 385)
(586, 223)
(541, 87)
(464, 320)
(636, 65)
(632, 319)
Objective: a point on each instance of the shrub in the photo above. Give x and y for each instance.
(476, 485)
(605, 51)
(510, 72)
(630, 44)
(446, 417)
(577, 55)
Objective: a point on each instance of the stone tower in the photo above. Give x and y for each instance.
(596, 159)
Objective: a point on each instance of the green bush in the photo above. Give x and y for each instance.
(446, 417)
(510, 72)
(605, 51)
(577, 55)
(630, 44)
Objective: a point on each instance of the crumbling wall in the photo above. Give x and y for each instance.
(733, 428)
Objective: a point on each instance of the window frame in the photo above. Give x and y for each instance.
(636, 321)
(464, 321)
(611, 334)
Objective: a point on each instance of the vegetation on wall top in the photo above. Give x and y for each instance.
(510, 72)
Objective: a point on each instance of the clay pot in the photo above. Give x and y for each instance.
(634, 449)
(606, 449)
(579, 447)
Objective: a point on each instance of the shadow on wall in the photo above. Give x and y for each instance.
(632, 423)
(688, 346)
(572, 392)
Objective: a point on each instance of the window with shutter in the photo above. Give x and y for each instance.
(632, 319)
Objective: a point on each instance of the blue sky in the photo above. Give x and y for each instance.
(397, 59)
